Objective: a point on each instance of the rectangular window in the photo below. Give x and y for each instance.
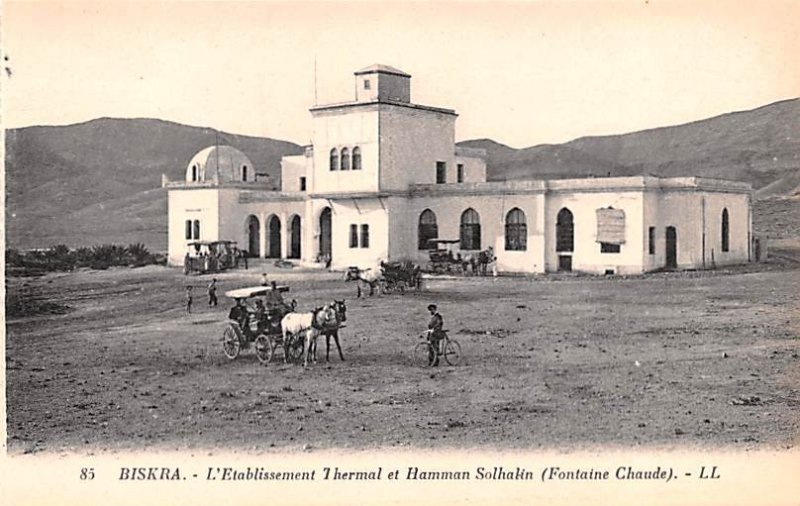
(460, 174)
(365, 236)
(188, 229)
(366, 84)
(302, 184)
(441, 172)
(651, 240)
(354, 236)
(606, 247)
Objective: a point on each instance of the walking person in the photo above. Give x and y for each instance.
(188, 299)
(212, 293)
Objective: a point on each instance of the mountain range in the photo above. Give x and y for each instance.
(99, 181)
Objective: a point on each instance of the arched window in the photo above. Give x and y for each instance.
(334, 159)
(244, 172)
(516, 230)
(188, 229)
(565, 231)
(356, 158)
(345, 159)
(470, 230)
(197, 229)
(726, 236)
(426, 230)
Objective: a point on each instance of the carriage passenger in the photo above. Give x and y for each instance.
(239, 314)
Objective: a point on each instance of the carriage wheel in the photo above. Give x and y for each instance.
(387, 287)
(263, 347)
(401, 286)
(452, 352)
(296, 345)
(424, 354)
(230, 342)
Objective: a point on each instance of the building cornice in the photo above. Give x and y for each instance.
(378, 103)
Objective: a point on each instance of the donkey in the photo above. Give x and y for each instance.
(332, 330)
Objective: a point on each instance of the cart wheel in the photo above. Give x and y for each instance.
(423, 354)
(296, 345)
(263, 348)
(452, 352)
(230, 342)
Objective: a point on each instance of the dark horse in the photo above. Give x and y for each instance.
(333, 330)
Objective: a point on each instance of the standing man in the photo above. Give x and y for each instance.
(212, 292)
(264, 280)
(189, 299)
(435, 333)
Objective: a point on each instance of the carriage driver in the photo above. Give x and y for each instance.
(435, 333)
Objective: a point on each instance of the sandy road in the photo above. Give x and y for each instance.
(666, 360)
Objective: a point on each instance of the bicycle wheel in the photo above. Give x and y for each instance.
(423, 354)
(452, 352)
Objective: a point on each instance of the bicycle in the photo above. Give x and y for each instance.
(424, 353)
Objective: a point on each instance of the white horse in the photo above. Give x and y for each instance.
(369, 276)
(312, 324)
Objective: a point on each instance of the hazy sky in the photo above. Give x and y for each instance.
(521, 73)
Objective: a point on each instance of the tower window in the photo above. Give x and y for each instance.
(441, 172)
(334, 162)
(244, 172)
(651, 240)
(367, 84)
(460, 173)
(302, 184)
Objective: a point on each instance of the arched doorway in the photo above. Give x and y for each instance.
(672, 248)
(565, 239)
(274, 249)
(325, 227)
(294, 241)
(253, 236)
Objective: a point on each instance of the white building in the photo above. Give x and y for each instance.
(383, 176)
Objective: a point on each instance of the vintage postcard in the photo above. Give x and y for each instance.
(401, 252)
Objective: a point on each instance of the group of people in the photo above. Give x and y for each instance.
(211, 289)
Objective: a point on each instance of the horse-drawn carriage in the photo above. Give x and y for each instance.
(442, 260)
(210, 256)
(398, 276)
(256, 319)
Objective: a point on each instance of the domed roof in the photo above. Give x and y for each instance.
(220, 164)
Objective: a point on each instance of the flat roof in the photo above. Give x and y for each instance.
(409, 105)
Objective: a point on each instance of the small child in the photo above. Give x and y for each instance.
(188, 299)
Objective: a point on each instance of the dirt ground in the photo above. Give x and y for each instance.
(666, 360)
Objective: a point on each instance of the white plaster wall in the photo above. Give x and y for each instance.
(412, 141)
(474, 169)
(359, 212)
(586, 256)
(339, 128)
(692, 213)
(182, 205)
(233, 220)
(292, 169)
(492, 210)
